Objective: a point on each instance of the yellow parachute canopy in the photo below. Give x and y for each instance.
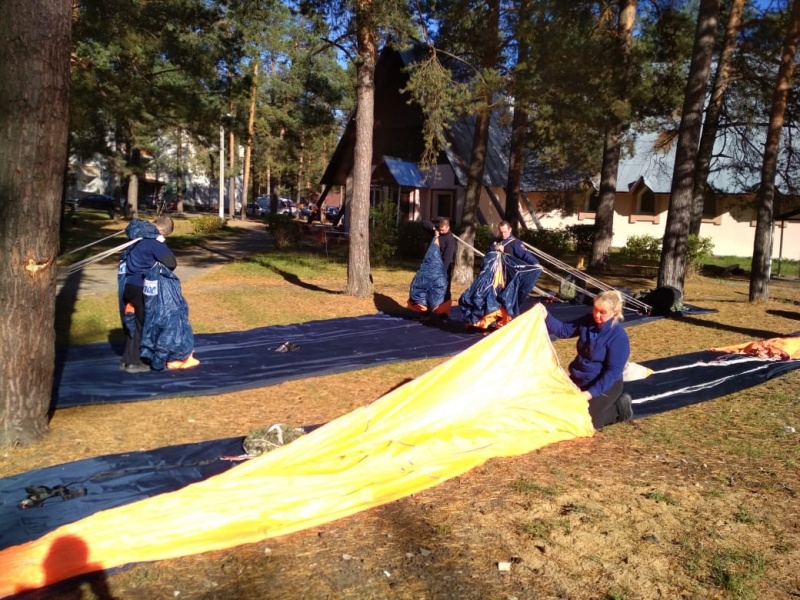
(504, 396)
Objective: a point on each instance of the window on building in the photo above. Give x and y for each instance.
(443, 205)
(375, 196)
(710, 204)
(593, 201)
(647, 202)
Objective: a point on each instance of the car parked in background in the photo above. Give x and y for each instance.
(102, 202)
(98, 202)
(262, 205)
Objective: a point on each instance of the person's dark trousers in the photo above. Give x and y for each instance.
(134, 295)
(604, 409)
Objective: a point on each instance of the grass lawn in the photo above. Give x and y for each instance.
(699, 502)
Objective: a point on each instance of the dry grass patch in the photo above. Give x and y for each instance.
(700, 502)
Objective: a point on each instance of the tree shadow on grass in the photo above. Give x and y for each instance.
(785, 314)
(295, 280)
(756, 333)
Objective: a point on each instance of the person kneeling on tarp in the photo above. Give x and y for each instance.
(603, 351)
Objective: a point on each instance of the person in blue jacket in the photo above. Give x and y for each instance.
(140, 259)
(603, 351)
(512, 246)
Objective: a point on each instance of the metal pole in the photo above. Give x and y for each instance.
(221, 172)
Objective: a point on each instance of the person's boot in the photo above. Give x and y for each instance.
(624, 407)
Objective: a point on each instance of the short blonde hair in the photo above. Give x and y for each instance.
(165, 224)
(613, 299)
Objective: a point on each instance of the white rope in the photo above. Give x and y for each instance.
(75, 267)
(698, 387)
(721, 362)
(92, 243)
(583, 276)
(468, 246)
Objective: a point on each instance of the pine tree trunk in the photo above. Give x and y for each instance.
(519, 125)
(672, 271)
(711, 123)
(358, 267)
(248, 151)
(519, 122)
(604, 218)
(179, 159)
(762, 246)
(612, 144)
(463, 272)
(34, 99)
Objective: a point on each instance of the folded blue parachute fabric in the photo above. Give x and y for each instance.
(167, 334)
(687, 379)
(492, 290)
(429, 285)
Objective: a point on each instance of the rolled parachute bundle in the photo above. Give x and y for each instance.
(429, 287)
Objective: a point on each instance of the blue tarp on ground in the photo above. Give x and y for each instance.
(242, 360)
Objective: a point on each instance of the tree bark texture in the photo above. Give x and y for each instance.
(519, 122)
(358, 266)
(711, 122)
(604, 217)
(672, 271)
(248, 150)
(762, 246)
(464, 271)
(34, 101)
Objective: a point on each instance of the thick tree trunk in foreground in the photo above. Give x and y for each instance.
(34, 98)
(672, 271)
(762, 246)
(358, 268)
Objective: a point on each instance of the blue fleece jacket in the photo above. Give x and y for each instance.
(515, 248)
(143, 255)
(602, 352)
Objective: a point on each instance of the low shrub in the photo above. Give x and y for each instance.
(207, 224)
(556, 242)
(582, 238)
(641, 248)
(483, 238)
(698, 250)
(382, 232)
(284, 230)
